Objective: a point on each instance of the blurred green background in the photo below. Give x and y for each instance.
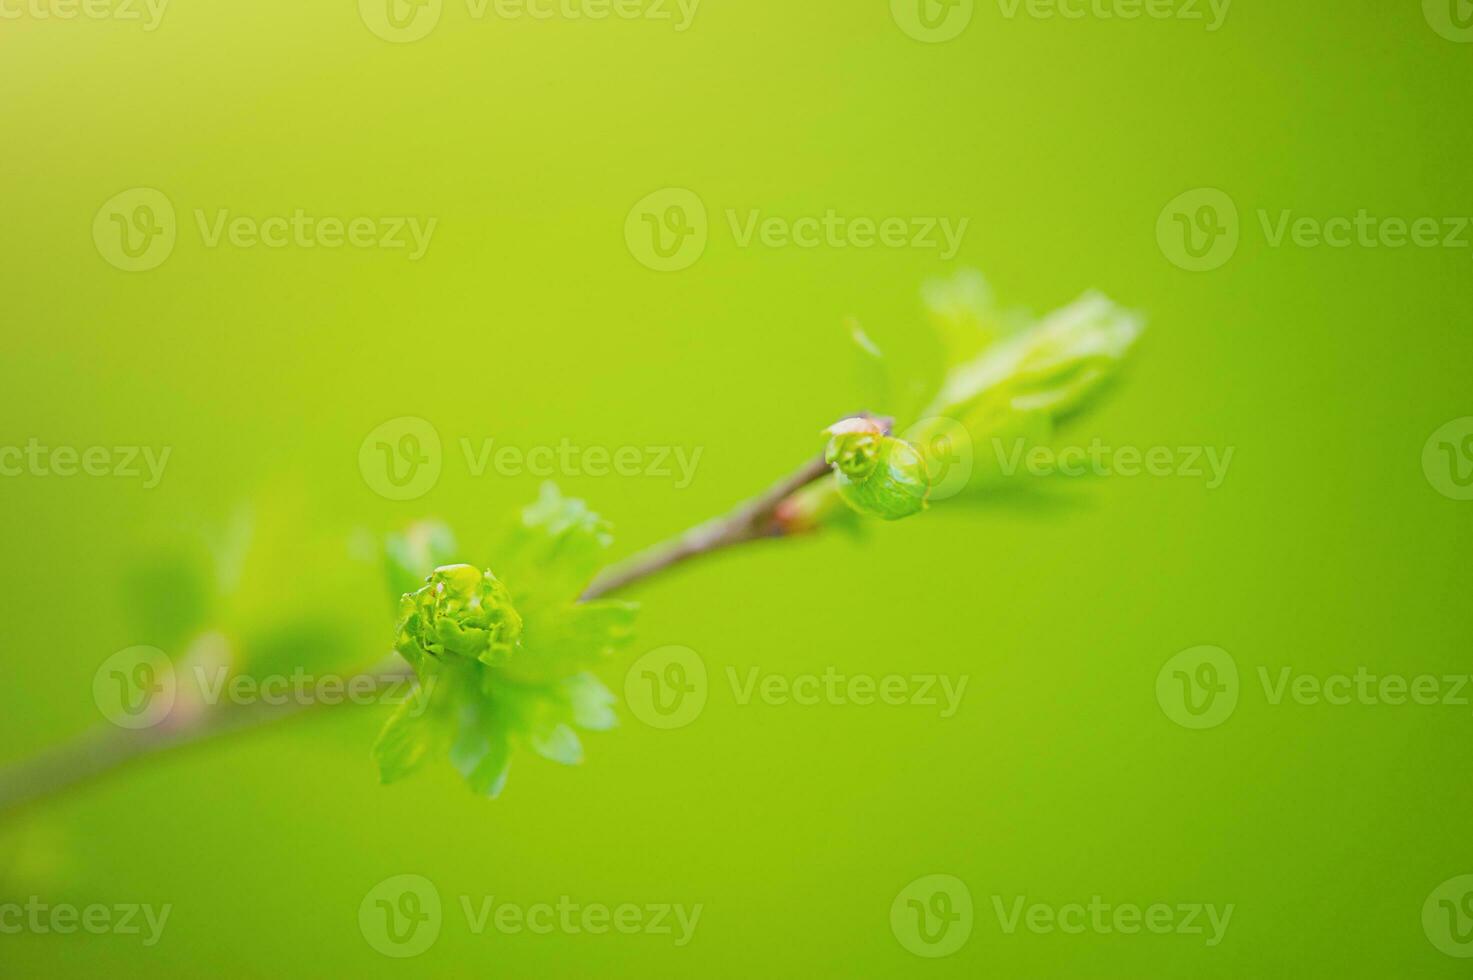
(529, 321)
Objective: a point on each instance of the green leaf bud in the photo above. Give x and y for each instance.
(877, 474)
(462, 612)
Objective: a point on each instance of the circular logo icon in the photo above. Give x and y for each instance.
(1453, 19)
(400, 21)
(1447, 916)
(1198, 688)
(667, 230)
(932, 916)
(135, 231)
(400, 916)
(400, 460)
(946, 446)
(135, 688)
(1198, 231)
(666, 688)
(932, 21)
(1447, 459)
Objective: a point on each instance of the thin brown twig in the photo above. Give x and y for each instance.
(107, 748)
(755, 519)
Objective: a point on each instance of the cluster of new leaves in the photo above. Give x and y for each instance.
(504, 656)
(1005, 376)
(503, 659)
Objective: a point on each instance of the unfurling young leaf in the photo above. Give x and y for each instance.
(1009, 379)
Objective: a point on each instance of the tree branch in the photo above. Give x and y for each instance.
(107, 748)
(757, 518)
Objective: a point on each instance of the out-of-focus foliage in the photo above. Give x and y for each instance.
(271, 592)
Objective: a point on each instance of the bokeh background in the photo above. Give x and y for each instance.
(528, 321)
